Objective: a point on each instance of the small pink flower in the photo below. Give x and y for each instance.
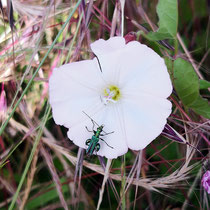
(206, 181)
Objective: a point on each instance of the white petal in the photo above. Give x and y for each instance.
(73, 88)
(143, 70)
(145, 118)
(136, 67)
(108, 53)
(110, 66)
(108, 117)
(101, 47)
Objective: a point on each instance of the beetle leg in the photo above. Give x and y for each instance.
(87, 142)
(106, 133)
(88, 129)
(97, 147)
(93, 124)
(106, 143)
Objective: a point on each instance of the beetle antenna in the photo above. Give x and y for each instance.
(90, 118)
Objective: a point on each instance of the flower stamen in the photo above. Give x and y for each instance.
(111, 94)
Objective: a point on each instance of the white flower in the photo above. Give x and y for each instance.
(128, 97)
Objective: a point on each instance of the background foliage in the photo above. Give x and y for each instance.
(40, 167)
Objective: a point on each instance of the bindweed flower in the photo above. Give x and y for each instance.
(206, 181)
(125, 88)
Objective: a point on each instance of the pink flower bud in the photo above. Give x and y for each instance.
(131, 36)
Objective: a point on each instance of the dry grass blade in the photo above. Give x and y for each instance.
(139, 165)
(30, 179)
(10, 189)
(114, 20)
(78, 173)
(189, 56)
(133, 170)
(122, 3)
(106, 176)
(89, 11)
(180, 174)
(11, 16)
(1, 8)
(69, 171)
(55, 176)
(103, 164)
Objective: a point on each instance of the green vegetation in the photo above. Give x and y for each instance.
(40, 167)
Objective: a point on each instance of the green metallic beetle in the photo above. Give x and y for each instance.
(93, 143)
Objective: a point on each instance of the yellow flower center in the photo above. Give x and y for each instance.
(111, 94)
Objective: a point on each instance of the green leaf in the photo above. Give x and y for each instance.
(169, 64)
(186, 83)
(45, 197)
(202, 107)
(167, 11)
(204, 84)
